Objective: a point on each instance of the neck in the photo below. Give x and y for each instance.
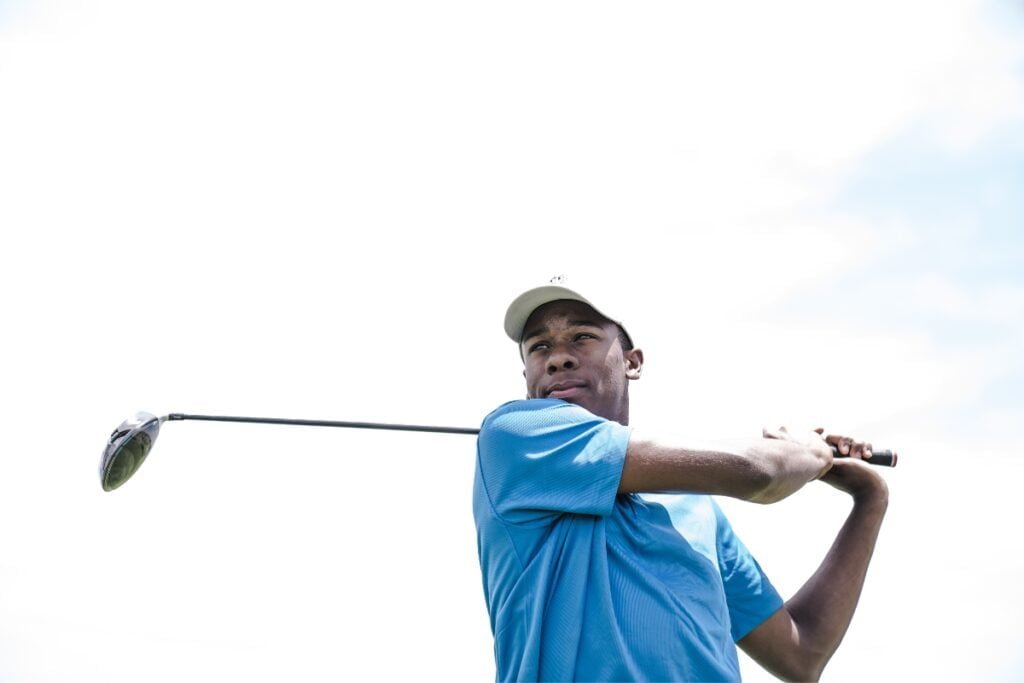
(621, 413)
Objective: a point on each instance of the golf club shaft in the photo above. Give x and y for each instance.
(884, 458)
(326, 423)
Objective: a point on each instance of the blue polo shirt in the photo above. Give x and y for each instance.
(584, 584)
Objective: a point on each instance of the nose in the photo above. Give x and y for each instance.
(561, 359)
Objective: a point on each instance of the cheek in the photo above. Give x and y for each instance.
(530, 375)
(610, 378)
(613, 373)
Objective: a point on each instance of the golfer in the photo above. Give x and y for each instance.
(604, 557)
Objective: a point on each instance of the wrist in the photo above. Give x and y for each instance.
(872, 497)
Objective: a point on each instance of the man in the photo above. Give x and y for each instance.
(589, 574)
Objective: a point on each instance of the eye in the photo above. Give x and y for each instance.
(583, 336)
(539, 346)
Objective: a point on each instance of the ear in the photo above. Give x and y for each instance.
(634, 363)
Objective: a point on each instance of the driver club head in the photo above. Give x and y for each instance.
(127, 448)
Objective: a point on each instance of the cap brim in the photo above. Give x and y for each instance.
(520, 310)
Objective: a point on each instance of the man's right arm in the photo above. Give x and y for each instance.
(758, 470)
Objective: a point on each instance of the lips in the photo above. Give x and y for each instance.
(565, 389)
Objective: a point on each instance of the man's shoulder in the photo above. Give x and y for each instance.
(525, 416)
(524, 405)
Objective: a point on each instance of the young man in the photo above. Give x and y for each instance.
(592, 573)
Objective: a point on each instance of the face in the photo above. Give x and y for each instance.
(573, 353)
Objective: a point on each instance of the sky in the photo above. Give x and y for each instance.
(808, 214)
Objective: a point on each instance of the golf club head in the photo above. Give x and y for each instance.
(128, 446)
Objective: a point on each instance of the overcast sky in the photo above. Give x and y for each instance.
(807, 214)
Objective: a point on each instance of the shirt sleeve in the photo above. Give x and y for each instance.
(750, 595)
(543, 457)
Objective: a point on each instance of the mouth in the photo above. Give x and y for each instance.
(565, 390)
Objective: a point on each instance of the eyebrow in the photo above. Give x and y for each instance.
(575, 323)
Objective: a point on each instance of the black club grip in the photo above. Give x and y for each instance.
(884, 458)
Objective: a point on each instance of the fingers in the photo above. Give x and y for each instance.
(845, 445)
(780, 433)
(850, 447)
(798, 436)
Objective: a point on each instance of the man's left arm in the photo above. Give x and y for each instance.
(797, 641)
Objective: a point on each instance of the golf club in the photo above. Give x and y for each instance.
(132, 441)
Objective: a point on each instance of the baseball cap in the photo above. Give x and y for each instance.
(525, 304)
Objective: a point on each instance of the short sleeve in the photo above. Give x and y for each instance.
(750, 595)
(543, 457)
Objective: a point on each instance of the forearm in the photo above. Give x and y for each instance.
(823, 608)
(758, 470)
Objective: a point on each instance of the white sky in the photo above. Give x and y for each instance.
(320, 210)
